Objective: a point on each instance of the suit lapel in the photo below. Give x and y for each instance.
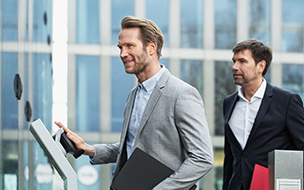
(152, 102)
(227, 116)
(231, 106)
(263, 108)
(128, 111)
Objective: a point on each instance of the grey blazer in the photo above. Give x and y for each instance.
(173, 130)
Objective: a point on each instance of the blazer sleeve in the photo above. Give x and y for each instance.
(194, 133)
(105, 153)
(295, 121)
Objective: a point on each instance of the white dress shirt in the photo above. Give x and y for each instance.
(244, 114)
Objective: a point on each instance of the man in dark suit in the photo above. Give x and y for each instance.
(258, 118)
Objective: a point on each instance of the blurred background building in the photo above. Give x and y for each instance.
(72, 71)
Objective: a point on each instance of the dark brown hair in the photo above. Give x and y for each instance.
(258, 49)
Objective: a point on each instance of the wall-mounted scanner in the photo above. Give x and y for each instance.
(56, 148)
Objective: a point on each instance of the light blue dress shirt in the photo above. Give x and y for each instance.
(144, 91)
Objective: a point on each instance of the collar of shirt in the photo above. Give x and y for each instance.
(257, 95)
(148, 85)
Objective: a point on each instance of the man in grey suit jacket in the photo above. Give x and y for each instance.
(164, 116)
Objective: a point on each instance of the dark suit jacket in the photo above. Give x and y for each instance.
(279, 124)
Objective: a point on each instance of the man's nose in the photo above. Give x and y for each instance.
(123, 53)
(235, 66)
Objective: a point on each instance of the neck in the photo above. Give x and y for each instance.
(149, 72)
(250, 89)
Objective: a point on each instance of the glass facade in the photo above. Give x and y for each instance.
(122, 83)
(292, 26)
(159, 15)
(225, 23)
(259, 20)
(191, 24)
(120, 9)
(87, 22)
(26, 92)
(98, 85)
(9, 20)
(87, 93)
(192, 73)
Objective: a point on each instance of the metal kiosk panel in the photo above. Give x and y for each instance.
(55, 154)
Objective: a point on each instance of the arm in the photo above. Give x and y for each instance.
(194, 133)
(227, 165)
(99, 153)
(295, 121)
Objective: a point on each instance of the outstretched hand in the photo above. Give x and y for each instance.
(78, 141)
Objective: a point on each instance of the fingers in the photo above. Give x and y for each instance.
(59, 124)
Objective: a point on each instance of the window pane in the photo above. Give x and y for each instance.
(122, 83)
(292, 26)
(9, 108)
(120, 9)
(224, 86)
(159, 15)
(42, 169)
(10, 164)
(88, 175)
(42, 88)
(192, 23)
(192, 73)
(293, 78)
(9, 20)
(25, 87)
(259, 20)
(88, 91)
(42, 20)
(225, 23)
(87, 22)
(25, 164)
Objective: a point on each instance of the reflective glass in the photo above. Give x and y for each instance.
(225, 23)
(25, 87)
(9, 15)
(9, 108)
(42, 169)
(42, 88)
(158, 12)
(224, 86)
(87, 22)
(42, 20)
(88, 175)
(25, 165)
(259, 20)
(120, 9)
(10, 165)
(292, 26)
(293, 78)
(121, 83)
(87, 92)
(192, 73)
(192, 23)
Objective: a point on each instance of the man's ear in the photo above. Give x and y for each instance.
(262, 66)
(152, 48)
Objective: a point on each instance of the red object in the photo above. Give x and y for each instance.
(259, 178)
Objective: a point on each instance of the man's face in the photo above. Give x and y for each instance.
(245, 71)
(132, 53)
